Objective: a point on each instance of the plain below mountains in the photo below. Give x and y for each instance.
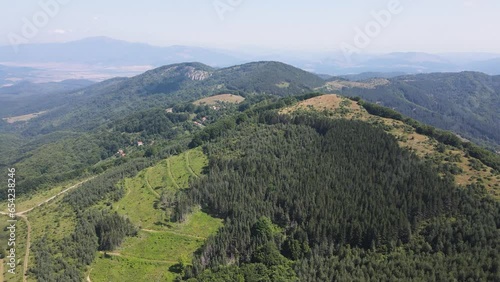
(109, 55)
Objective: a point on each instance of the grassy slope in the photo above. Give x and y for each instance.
(153, 254)
(423, 146)
(466, 103)
(213, 100)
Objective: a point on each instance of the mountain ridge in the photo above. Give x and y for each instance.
(113, 52)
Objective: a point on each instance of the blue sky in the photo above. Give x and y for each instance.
(321, 25)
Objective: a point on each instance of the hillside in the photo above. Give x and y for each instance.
(75, 127)
(330, 184)
(267, 77)
(100, 103)
(465, 169)
(467, 103)
(164, 194)
(24, 97)
(70, 121)
(339, 199)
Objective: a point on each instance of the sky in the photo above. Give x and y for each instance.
(371, 26)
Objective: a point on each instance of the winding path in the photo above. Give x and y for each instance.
(55, 196)
(28, 245)
(149, 185)
(88, 276)
(189, 166)
(169, 171)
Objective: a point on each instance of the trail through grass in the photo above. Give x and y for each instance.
(160, 244)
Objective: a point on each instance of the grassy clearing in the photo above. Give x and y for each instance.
(23, 117)
(158, 177)
(115, 268)
(213, 100)
(51, 219)
(139, 203)
(198, 224)
(283, 85)
(197, 160)
(339, 84)
(179, 170)
(160, 243)
(160, 246)
(339, 107)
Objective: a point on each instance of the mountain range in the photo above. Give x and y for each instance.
(98, 58)
(466, 103)
(250, 172)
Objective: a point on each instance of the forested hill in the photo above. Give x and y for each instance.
(86, 109)
(306, 198)
(267, 77)
(266, 190)
(467, 103)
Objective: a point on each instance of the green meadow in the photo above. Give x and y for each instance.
(160, 244)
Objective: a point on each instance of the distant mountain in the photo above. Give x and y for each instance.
(370, 75)
(405, 62)
(491, 66)
(467, 103)
(108, 56)
(89, 108)
(111, 52)
(30, 88)
(26, 97)
(267, 77)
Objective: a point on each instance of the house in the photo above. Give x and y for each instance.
(121, 153)
(140, 143)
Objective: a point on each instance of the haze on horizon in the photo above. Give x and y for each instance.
(422, 26)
